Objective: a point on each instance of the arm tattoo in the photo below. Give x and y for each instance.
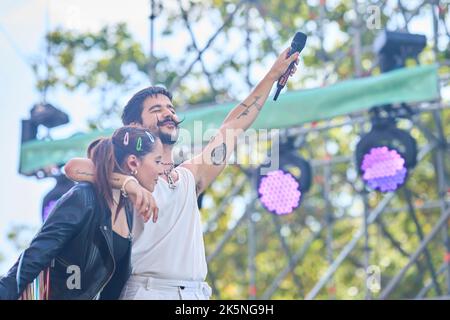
(83, 173)
(219, 154)
(246, 111)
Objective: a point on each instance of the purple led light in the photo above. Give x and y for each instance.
(48, 208)
(279, 192)
(383, 169)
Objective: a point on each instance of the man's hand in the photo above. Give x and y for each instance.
(143, 201)
(281, 64)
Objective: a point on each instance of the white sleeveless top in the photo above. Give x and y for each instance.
(171, 248)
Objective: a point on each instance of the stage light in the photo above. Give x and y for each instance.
(29, 130)
(385, 155)
(47, 115)
(393, 48)
(383, 169)
(281, 191)
(41, 114)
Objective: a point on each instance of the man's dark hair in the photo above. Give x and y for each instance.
(133, 109)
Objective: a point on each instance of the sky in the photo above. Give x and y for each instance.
(23, 24)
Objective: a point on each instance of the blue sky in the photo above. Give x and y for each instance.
(22, 29)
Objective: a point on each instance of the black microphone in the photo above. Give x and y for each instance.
(297, 45)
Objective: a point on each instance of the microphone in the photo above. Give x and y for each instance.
(297, 45)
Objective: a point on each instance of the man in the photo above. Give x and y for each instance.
(168, 258)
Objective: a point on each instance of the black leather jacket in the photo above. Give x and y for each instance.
(77, 233)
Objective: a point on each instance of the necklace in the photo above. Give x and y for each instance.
(168, 175)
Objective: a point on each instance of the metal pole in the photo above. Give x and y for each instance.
(287, 251)
(299, 254)
(442, 189)
(151, 64)
(357, 25)
(425, 289)
(251, 256)
(329, 224)
(434, 6)
(252, 244)
(229, 233)
(394, 282)
(219, 211)
(366, 248)
(419, 231)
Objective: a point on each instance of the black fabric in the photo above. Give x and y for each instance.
(122, 248)
(78, 232)
(120, 245)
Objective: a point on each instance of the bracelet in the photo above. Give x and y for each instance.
(128, 179)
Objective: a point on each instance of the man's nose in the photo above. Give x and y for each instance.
(165, 113)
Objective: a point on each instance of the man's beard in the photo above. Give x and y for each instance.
(167, 138)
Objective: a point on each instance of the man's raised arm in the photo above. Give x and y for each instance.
(211, 161)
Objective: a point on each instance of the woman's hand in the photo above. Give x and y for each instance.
(142, 200)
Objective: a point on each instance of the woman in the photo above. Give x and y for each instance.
(85, 243)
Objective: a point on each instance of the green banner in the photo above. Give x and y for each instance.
(291, 109)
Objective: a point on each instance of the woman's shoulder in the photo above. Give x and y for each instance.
(82, 191)
(77, 203)
(86, 187)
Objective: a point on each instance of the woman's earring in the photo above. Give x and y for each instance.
(134, 172)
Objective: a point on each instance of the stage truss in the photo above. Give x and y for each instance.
(359, 249)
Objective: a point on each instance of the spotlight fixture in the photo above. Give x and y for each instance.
(47, 115)
(281, 191)
(41, 114)
(385, 155)
(29, 130)
(393, 48)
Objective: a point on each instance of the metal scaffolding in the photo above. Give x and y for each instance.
(436, 147)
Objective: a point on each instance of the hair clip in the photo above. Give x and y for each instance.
(150, 136)
(126, 139)
(139, 144)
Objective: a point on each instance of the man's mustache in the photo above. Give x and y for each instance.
(166, 120)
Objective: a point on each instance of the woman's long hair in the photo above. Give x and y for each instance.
(110, 154)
